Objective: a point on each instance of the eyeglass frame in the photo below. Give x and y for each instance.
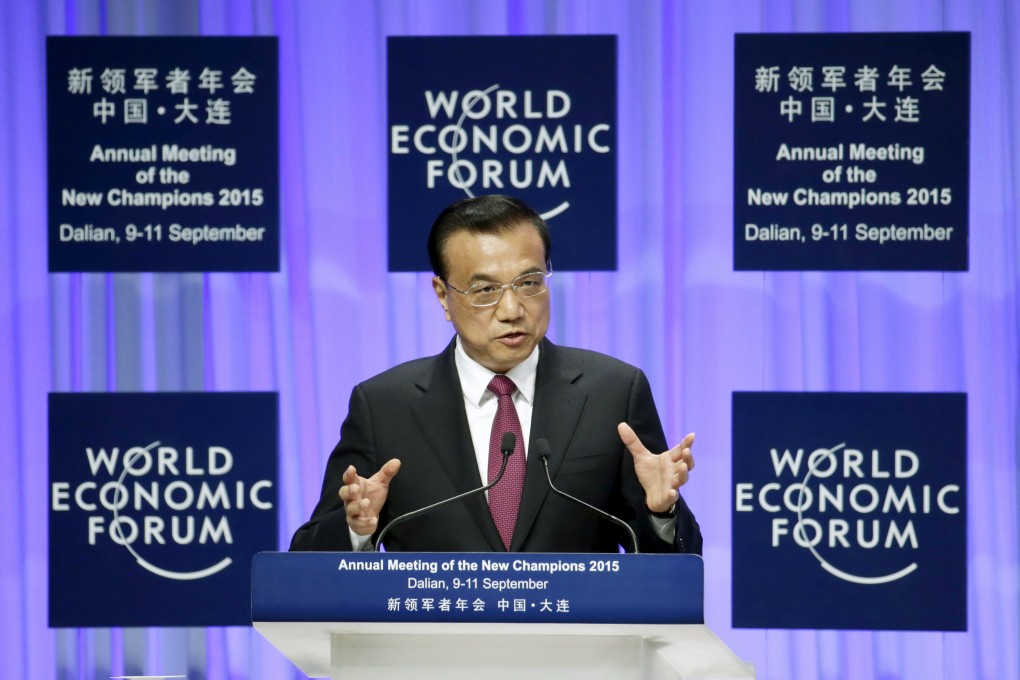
(503, 287)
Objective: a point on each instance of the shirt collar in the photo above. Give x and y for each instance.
(474, 378)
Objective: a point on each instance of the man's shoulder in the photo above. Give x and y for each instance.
(587, 360)
(424, 372)
(401, 375)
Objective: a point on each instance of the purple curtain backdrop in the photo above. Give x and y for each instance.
(333, 316)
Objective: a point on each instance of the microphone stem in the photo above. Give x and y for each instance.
(420, 511)
(602, 513)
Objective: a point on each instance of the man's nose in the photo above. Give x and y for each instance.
(509, 306)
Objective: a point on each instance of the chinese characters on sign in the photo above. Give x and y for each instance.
(446, 604)
(484, 588)
(822, 108)
(460, 585)
(851, 151)
(163, 154)
(135, 109)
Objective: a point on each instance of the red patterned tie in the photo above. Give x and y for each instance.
(505, 497)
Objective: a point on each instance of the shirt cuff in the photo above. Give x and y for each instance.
(665, 528)
(360, 543)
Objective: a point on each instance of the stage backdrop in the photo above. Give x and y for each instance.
(333, 315)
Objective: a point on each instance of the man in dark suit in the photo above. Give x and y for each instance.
(430, 429)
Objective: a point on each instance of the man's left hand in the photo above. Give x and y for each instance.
(661, 475)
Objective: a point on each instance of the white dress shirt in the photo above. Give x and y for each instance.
(480, 404)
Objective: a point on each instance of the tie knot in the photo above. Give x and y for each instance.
(501, 386)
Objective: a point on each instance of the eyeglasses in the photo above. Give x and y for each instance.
(489, 293)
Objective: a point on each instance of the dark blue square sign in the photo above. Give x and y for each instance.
(851, 151)
(850, 510)
(529, 116)
(163, 154)
(157, 503)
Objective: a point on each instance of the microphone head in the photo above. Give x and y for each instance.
(507, 444)
(542, 447)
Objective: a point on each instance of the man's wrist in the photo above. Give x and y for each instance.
(668, 513)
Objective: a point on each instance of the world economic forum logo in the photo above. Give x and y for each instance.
(531, 116)
(160, 533)
(864, 533)
(173, 498)
(465, 143)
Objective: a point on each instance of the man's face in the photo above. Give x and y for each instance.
(503, 335)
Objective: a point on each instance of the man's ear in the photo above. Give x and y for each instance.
(442, 294)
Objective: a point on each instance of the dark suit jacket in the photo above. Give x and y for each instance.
(415, 412)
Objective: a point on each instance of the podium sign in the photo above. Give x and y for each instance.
(460, 616)
(478, 588)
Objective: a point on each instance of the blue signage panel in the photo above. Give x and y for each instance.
(851, 151)
(850, 510)
(478, 588)
(157, 503)
(163, 154)
(529, 116)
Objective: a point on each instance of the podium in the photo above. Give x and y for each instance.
(491, 615)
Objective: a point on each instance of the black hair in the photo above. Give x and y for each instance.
(490, 214)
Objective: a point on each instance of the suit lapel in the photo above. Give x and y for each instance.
(557, 409)
(441, 417)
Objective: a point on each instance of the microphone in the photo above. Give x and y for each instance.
(506, 447)
(542, 446)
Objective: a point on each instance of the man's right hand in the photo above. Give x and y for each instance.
(364, 498)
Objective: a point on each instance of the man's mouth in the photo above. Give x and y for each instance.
(513, 337)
